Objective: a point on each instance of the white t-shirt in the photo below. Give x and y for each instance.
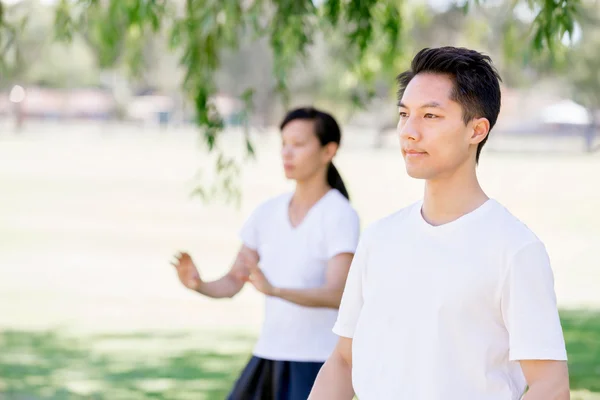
(296, 258)
(445, 312)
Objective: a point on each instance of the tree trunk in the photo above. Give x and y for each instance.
(590, 131)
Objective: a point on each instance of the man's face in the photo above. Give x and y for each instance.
(434, 139)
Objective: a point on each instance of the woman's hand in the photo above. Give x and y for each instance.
(186, 271)
(258, 279)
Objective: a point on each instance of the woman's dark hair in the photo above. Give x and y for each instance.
(327, 131)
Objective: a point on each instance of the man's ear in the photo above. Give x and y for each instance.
(481, 128)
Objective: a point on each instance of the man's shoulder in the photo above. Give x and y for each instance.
(393, 221)
(514, 231)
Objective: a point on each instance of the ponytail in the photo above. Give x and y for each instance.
(334, 180)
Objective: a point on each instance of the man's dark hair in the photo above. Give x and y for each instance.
(476, 81)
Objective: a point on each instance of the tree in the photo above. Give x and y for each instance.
(30, 56)
(371, 33)
(583, 75)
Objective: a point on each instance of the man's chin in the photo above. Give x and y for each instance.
(417, 173)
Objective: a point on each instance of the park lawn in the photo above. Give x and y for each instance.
(88, 228)
(582, 334)
(200, 365)
(53, 365)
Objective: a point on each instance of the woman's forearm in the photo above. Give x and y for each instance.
(225, 287)
(313, 297)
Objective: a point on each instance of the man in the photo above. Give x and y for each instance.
(451, 298)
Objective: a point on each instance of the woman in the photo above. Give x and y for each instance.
(296, 249)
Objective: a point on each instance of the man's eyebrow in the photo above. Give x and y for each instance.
(431, 104)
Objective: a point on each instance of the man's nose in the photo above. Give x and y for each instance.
(408, 129)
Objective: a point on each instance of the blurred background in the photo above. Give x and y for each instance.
(130, 130)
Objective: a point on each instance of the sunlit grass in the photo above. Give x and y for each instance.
(88, 225)
(199, 365)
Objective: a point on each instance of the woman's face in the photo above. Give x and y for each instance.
(301, 151)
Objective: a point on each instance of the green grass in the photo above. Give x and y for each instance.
(88, 229)
(54, 365)
(51, 365)
(582, 334)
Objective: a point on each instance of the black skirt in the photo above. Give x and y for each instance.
(264, 379)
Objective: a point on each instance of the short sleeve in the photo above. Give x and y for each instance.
(249, 232)
(529, 307)
(352, 299)
(342, 233)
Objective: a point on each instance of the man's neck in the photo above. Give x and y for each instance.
(449, 198)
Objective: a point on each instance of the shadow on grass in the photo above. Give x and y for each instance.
(582, 335)
(53, 365)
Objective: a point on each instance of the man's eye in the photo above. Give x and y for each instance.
(431, 116)
(402, 114)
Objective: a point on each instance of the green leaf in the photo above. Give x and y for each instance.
(62, 22)
(366, 37)
(332, 11)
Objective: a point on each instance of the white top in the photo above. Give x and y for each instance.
(446, 312)
(297, 258)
